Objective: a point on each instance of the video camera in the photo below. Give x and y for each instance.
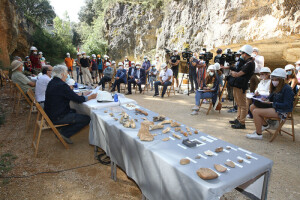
(229, 56)
(206, 56)
(187, 54)
(167, 51)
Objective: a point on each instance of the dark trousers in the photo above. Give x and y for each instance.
(78, 74)
(193, 78)
(117, 83)
(76, 123)
(166, 84)
(103, 81)
(132, 81)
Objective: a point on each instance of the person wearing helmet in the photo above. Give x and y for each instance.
(108, 74)
(106, 60)
(78, 67)
(35, 60)
(85, 69)
(119, 78)
(94, 67)
(210, 90)
(139, 78)
(152, 75)
(146, 66)
(240, 85)
(291, 77)
(279, 103)
(174, 61)
(69, 63)
(165, 79)
(259, 64)
(100, 66)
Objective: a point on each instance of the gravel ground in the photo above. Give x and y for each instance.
(94, 182)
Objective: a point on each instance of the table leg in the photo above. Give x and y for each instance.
(113, 166)
(264, 193)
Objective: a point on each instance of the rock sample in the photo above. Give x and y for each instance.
(176, 136)
(230, 164)
(177, 129)
(144, 133)
(141, 111)
(166, 139)
(166, 122)
(188, 129)
(240, 160)
(159, 118)
(219, 149)
(197, 157)
(166, 130)
(220, 168)
(208, 153)
(206, 174)
(184, 161)
(196, 132)
(175, 124)
(157, 126)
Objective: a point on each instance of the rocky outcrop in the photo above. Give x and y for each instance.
(15, 32)
(271, 25)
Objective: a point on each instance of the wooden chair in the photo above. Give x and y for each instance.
(18, 98)
(279, 129)
(43, 122)
(31, 110)
(170, 88)
(146, 86)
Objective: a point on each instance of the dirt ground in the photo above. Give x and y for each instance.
(94, 182)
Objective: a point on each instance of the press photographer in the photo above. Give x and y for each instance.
(174, 61)
(206, 56)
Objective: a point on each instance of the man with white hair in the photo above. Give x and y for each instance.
(42, 83)
(57, 104)
(165, 79)
(17, 76)
(120, 77)
(259, 64)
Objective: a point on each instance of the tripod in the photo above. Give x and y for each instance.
(179, 88)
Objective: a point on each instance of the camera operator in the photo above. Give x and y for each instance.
(219, 58)
(239, 82)
(174, 61)
(259, 64)
(192, 72)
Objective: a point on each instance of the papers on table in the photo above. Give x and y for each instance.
(103, 96)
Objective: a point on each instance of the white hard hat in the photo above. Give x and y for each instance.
(71, 82)
(68, 54)
(255, 49)
(33, 48)
(289, 67)
(78, 54)
(211, 67)
(145, 57)
(156, 56)
(164, 66)
(93, 55)
(88, 56)
(106, 56)
(132, 62)
(247, 49)
(175, 49)
(108, 64)
(113, 62)
(41, 53)
(279, 72)
(120, 64)
(265, 70)
(217, 66)
(297, 63)
(138, 63)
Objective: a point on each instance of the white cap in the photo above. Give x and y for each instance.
(41, 53)
(78, 53)
(279, 72)
(217, 66)
(106, 56)
(265, 70)
(113, 62)
(164, 66)
(289, 67)
(211, 67)
(33, 48)
(71, 82)
(120, 64)
(297, 63)
(255, 49)
(93, 55)
(175, 49)
(247, 49)
(108, 64)
(68, 54)
(132, 62)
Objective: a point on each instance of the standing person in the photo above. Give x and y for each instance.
(193, 73)
(138, 79)
(146, 66)
(34, 59)
(120, 77)
(94, 66)
(100, 66)
(165, 79)
(42, 83)
(291, 77)
(152, 75)
(219, 58)
(127, 61)
(69, 63)
(241, 85)
(259, 64)
(157, 63)
(108, 74)
(106, 60)
(78, 67)
(27, 64)
(85, 69)
(174, 61)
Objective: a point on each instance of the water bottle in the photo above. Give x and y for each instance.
(116, 98)
(75, 85)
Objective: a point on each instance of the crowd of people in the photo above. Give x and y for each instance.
(54, 85)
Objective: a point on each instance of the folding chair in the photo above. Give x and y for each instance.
(170, 89)
(43, 122)
(31, 110)
(18, 98)
(146, 86)
(290, 117)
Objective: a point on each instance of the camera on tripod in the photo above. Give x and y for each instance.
(187, 54)
(206, 56)
(229, 56)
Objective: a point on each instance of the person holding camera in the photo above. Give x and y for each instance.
(165, 79)
(174, 61)
(193, 73)
(239, 82)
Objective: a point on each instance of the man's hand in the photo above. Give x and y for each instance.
(117, 78)
(256, 93)
(131, 76)
(92, 96)
(233, 74)
(86, 93)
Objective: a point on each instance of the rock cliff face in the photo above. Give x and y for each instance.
(15, 33)
(271, 25)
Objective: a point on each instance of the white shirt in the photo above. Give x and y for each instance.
(259, 63)
(41, 86)
(263, 87)
(157, 65)
(165, 75)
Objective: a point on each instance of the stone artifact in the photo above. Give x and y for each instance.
(132, 124)
(185, 134)
(126, 124)
(166, 122)
(111, 114)
(166, 130)
(177, 129)
(182, 132)
(230, 164)
(144, 133)
(166, 139)
(219, 149)
(136, 120)
(206, 174)
(157, 126)
(176, 136)
(159, 118)
(196, 132)
(105, 111)
(144, 118)
(184, 161)
(175, 124)
(228, 148)
(197, 157)
(116, 119)
(248, 157)
(240, 160)
(141, 111)
(188, 129)
(220, 168)
(209, 153)
(190, 133)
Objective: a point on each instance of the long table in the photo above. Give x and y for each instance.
(155, 166)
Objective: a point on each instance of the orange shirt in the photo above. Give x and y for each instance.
(69, 62)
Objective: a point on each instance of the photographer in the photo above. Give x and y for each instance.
(239, 82)
(192, 72)
(174, 61)
(219, 58)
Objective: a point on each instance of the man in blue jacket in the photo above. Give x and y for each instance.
(120, 77)
(139, 78)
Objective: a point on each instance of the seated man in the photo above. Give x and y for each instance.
(139, 78)
(18, 77)
(108, 74)
(120, 77)
(131, 72)
(57, 104)
(165, 79)
(42, 83)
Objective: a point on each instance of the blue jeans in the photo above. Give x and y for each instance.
(166, 84)
(202, 95)
(76, 123)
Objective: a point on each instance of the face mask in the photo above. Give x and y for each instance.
(84, 56)
(262, 77)
(120, 68)
(289, 73)
(298, 68)
(275, 83)
(253, 55)
(105, 58)
(176, 53)
(68, 78)
(133, 66)
(68, 56)
(35, 53)
(145, 59)
(236, 58)
(211, 73)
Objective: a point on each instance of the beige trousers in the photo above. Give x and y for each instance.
(86, 76)
(241, 102)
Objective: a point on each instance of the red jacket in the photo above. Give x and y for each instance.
(35, 61)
